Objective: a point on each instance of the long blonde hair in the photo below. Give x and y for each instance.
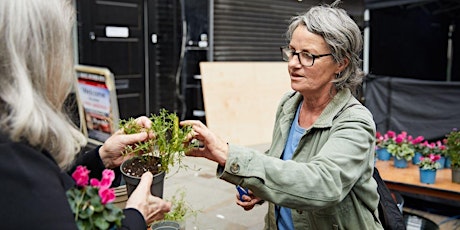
(36, 76)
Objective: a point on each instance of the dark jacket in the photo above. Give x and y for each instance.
(33, 191)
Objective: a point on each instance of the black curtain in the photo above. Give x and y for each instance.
(420, 107)
(409, 39)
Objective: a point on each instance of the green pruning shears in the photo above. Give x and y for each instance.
(242, 191)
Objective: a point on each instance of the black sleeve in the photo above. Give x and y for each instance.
(93, 162)
(133, 220)
(32, 191)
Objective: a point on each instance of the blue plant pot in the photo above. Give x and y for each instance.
(383, 154)
(442, 162)
(427, 176)
(400, 163)
(416, 158)
(447, 164)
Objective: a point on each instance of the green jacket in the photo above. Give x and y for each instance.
(328, 184)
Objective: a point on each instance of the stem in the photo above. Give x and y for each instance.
(79, 203)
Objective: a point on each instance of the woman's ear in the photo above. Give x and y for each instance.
(342, 65)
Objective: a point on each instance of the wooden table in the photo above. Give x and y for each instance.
(407, 180)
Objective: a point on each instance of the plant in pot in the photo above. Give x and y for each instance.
(419, 145)
(452, 143)
(382, 143)
(428, 166)
(180, 211)
(402, 150)
(156, 155)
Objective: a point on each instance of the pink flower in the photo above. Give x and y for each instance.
(107, 177)
(81, 175)
(107, 195)
(434, 157)
(106, 181)
(418, 140)
(391, 134)
(399, 139)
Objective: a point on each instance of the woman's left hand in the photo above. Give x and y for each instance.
(111, 151)
(249, 201)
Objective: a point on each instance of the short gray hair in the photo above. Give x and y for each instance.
(342, 35)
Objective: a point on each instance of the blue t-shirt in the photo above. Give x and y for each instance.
(284, 218)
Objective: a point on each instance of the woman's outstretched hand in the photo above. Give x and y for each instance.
(213, 147)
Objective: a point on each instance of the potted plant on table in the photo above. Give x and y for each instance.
(418, 145)
(401, 150)
(382, 143)
(428, 166)
(452, 143)
(156, 155)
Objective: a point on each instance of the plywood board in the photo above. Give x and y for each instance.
(240, 98)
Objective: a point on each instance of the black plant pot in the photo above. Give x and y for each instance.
(132, 181)
(166, 225)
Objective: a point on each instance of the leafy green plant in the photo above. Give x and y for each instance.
(452, 143)
(180, 209)
(169, 145)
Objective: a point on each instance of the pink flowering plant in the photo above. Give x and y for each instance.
(383, 141)
(417, 143)
(430, 162)
(402, 147)
(92, 203)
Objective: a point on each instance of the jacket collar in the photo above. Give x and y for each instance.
(325, 119)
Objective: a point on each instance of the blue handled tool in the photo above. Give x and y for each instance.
(242, 191)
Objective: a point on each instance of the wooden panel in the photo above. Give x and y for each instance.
(240, 98)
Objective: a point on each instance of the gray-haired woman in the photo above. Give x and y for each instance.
(317, 173)
(38, 142)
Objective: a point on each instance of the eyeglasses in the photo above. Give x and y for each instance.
(305, 58)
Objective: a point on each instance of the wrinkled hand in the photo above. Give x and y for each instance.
(249, 201)
(110, 151)
(214, 148)
(151, 207)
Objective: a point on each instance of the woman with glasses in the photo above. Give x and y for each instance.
(317, 173)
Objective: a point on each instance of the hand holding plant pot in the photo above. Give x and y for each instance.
(156, 155)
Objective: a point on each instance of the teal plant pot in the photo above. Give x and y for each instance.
(447, 164)
(416, 158)
(383, 154)
(442, 162)
(400, 163)
(427, 176)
